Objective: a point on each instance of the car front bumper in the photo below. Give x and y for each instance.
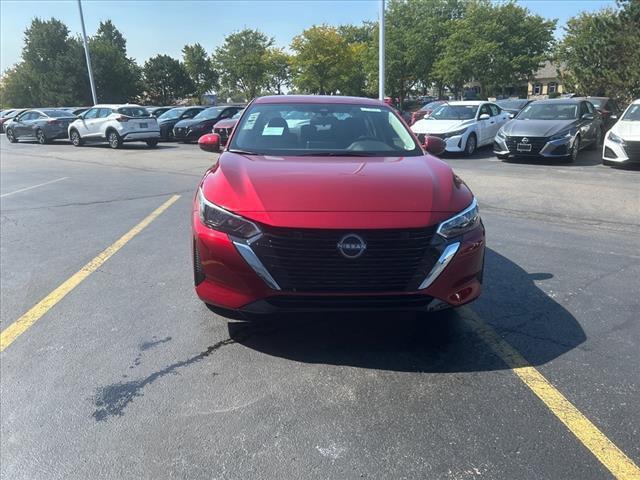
(541, 147)
(224, 279)
(627, 152)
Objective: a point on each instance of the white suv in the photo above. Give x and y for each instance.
(115, 124)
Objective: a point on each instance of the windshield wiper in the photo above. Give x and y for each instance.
(336, 154)
(243, 152)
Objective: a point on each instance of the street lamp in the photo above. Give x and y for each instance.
(380, 53)
(86, 54)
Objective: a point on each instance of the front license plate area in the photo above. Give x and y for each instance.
(144, 125)
(524, 147)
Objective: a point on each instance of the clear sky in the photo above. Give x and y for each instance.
(164, 26)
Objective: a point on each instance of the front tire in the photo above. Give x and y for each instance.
(11, 136)
(152, 143)
(471, 145)
(114, 139)
(573, 156)
(75, 138)
(40, 137)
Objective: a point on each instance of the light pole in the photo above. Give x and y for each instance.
(86, 54)
(380, 53)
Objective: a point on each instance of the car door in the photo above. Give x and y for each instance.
(484, 126)
(85, 124)
(498, 119)
(17, 124)
(98, 125)
(588, 126)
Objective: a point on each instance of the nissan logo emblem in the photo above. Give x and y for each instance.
(525, 140)
(352, 246)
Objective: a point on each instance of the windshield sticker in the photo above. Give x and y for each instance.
(369, 109)
(275, 131)
(251, 121)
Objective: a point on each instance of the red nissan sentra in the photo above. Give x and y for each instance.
(330, 203)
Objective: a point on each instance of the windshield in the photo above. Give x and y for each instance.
(316, 129)
(238, 114)
(549, 111)
(511, 104)
(57, 113)
(632, 114)
(173, 113)
(430, 106)
(134, 111)
(208, 113)
(454, 112)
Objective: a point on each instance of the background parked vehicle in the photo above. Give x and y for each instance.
(224, 127)
(43, 125)
(192, 129)
(425, 110)
(622, 142)
(557, 128)
(608, 109)
(115, 124)
(9, 115)
(513, 105)
(464, 125)
(168, 119)
(157, 111)
(79, 110)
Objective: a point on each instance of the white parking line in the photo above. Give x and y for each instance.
(33, 186)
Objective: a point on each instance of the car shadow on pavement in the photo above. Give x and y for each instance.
(529, 319)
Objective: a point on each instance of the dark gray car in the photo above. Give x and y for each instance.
(557, 128)
(43, 125)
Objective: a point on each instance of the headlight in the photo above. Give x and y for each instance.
(561, 135)
(453, 134)
(615, 138)
(219, 219)
(461, 223)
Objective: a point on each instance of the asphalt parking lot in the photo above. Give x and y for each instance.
(127, 375)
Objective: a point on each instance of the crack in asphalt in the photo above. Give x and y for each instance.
(98, 202)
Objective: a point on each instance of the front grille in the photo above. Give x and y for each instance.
(179, 131)
(536, 144)
(308, 260)
(346, 302)
(632, 149)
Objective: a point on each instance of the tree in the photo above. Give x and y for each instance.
(279, 69)
(243, 62)
(325, 63)
(117, 77)
(166, 80)
(601, 55)
(200, 69)
(51, 70)
(499, 45)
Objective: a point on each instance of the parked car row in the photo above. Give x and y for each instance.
(114, 124)
(545, 129)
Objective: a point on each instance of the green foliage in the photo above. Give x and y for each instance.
(601, 52)
(117, 77)
(498, 44)
(200, 69)
(50, 73)
(244, 63)
(279, 69)
(325, 62)
(166, 80)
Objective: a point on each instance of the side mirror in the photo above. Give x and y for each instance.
(588, 116)
(210, 142)
(614, 117)
(484, 116)
(512, 115)
(434, 145)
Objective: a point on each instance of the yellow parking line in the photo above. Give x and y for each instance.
(621, 466)
(18, 327)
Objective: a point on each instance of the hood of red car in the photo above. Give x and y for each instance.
(333, 192)
(227, 123)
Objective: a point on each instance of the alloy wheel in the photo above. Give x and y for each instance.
(114, 141)
(75, 138)
(40, 137)
(575, 149)
(471, 145)
(11, 136)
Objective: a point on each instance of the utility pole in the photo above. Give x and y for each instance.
(88, 56)
(380, 53)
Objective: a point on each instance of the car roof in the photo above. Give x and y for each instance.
(574, 100)
(320, 99)
(468, 103)
(116, 105)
